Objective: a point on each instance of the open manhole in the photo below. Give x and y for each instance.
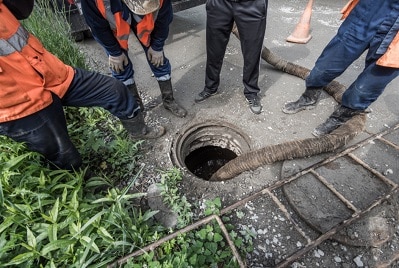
(203, 148)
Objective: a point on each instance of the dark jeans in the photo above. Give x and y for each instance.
(46, 131)
(250, 18)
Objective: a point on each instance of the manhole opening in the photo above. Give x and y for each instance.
(205, 161)
(202, 149)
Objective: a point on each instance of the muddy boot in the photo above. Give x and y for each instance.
(133, 88)
(139, 130)
(168, 101)
(337, 118)
(307, 101)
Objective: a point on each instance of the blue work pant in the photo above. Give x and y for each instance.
(161, 72)
(370, 26)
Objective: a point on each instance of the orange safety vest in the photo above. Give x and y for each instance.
(391, 56)
(28, 72)
(121, 27)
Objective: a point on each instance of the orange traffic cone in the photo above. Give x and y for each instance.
(301, 32)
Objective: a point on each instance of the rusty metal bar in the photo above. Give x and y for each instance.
(307, 170)
(268, 190)
(162, 240)
(231, 243)
(389, 143)
(332, 189)
(177, 233)
(375, 172)
(287, 214)
(290, 259)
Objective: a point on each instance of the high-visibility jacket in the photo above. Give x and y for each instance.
(391, 57)
(121, 27)
(28, 72)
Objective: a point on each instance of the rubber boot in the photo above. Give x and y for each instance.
(138, 129)
(133, 88)
(168, 101)
(336, 119)
(307, 101)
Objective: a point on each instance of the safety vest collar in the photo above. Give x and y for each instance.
(15, 43)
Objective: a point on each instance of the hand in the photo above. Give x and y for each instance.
(118, 63)
(155, 57)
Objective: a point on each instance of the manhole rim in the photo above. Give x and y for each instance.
(190, 129)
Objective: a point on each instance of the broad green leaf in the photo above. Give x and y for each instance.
(104, 233)
(74, 203)
(21, 258)
(202, 234)
(212, 247)
(217, 202)
(148, 214)
(47, 218)
(82, 260)
(52, 232)
(14, 161)
(87, 241)
(30, 237)
(193, 259)
(104, 199)
(89, 222)
(7, 223)
(57, 245)
(63, 185)
(64, 195)
(42, 179)
(131, 196)
(54, 211)
(217, 237)
(73, 228)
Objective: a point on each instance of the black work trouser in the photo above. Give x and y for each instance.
(46, 131)
(250, 18)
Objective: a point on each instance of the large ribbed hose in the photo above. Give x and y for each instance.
(293, 149)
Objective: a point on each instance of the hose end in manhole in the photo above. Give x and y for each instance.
(202, 148)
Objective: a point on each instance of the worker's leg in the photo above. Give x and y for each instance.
(354, 37)
(369, 85)
(127, 75)
(90, 89)
(219, 23)
(45, 132)
(250, 18)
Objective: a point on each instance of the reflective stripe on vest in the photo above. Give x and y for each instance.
(121, 27)
(29, 74)
(15, 43)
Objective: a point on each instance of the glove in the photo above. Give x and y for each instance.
(118, 63)
(155, 57)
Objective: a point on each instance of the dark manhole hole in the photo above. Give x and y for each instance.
(201, 149)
